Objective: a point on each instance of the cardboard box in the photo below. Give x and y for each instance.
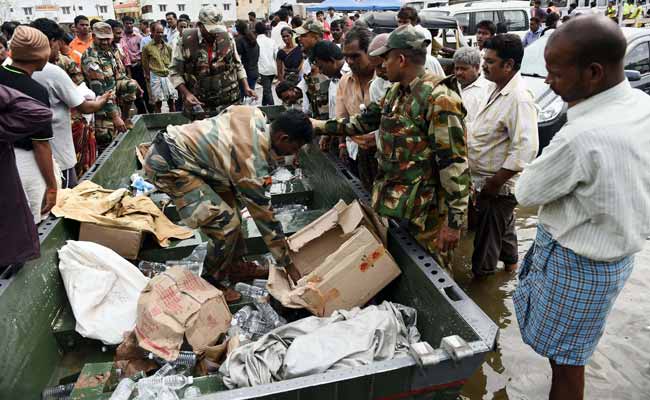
(341, 259)
(177, 304)
(124, 242)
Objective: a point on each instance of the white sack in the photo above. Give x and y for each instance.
(103, 289)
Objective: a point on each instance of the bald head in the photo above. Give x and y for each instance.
(592, 39)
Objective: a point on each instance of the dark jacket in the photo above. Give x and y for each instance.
(20, 116)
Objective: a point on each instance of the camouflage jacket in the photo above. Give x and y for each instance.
(421, 150)
(318, 95)
(102, 72)
(120, 57)
(71, 68)
(215, 82)
(233, 150)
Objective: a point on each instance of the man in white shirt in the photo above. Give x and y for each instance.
(593, 187)
(171, 32)
(502, 140)
(467, 61)
(63, 96)
(266, 64)
(409, 15)
(276, 32)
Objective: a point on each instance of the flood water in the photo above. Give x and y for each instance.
(620, 367)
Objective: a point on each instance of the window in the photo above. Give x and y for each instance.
(181, 7)
(80, 8)
(204, 5)
(226, 7)
(103, 9)
(162, 7)
(147, 9)
(516, 20)
(65, 10)
(463, 22)
(638, 59)
(11, 9)
(250, 1)
(27, 10)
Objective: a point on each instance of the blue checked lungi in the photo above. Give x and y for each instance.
(563, 299)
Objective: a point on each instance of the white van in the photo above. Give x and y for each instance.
(515, 14)
(421, 5)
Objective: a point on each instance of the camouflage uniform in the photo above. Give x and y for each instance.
(212, 168)
(104, 72)
(128, 88)
(317, 84)
(210, 71)
(83, 133)
(71, 68)
(421, 150)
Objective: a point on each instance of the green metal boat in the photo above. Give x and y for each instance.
(39, 347)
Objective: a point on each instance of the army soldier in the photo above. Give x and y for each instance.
(423, 172)
(212, 168)
(206, 69)
(310, 33)
(105, 73)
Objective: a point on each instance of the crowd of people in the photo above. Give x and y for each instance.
(435, 149)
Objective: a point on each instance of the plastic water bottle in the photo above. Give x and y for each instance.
(250, 291)
(173, 382)
(123, 390)
(256, 326)
(192, 392)
(243, 315)
(164, 370)
(56, 392)
(167, 394)
(185, 359)
(260, 283)
(269, 314)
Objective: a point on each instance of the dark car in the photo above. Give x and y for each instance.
(443, 28)
(553, 109)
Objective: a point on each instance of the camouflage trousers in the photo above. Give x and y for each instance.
(200, 204)
(428, 238)
(104, 132)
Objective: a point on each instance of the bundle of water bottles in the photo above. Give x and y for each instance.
(165, 384)
(251, 323)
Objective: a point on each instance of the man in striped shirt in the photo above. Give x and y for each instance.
(593, 186)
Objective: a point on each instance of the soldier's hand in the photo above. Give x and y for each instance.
(448, 239)
(191, 100)
(365, 141)
(119, 124)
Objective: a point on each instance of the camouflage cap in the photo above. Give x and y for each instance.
(311, 25)
(210, 18)
(102, 30)
(404, 37)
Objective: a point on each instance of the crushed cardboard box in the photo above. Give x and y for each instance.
(341, 260)
(177, 304)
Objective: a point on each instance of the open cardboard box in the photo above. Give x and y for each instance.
(340, 261)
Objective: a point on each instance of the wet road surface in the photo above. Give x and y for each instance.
(620, 367)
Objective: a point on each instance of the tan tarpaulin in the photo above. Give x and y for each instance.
(89, 202)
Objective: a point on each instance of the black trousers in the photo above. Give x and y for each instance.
(267, 89)
(493, 220)
(141, 103)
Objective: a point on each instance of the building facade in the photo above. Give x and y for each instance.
(62, 11)
(259, 7)
(156, 9)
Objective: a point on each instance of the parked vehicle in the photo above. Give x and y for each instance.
(553, 109)
(40, 346)
(420, 5)
(515, 14)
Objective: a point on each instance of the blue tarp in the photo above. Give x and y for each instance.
(357, 5)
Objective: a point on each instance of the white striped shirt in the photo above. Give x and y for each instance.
(593, 180)
(503, 133)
